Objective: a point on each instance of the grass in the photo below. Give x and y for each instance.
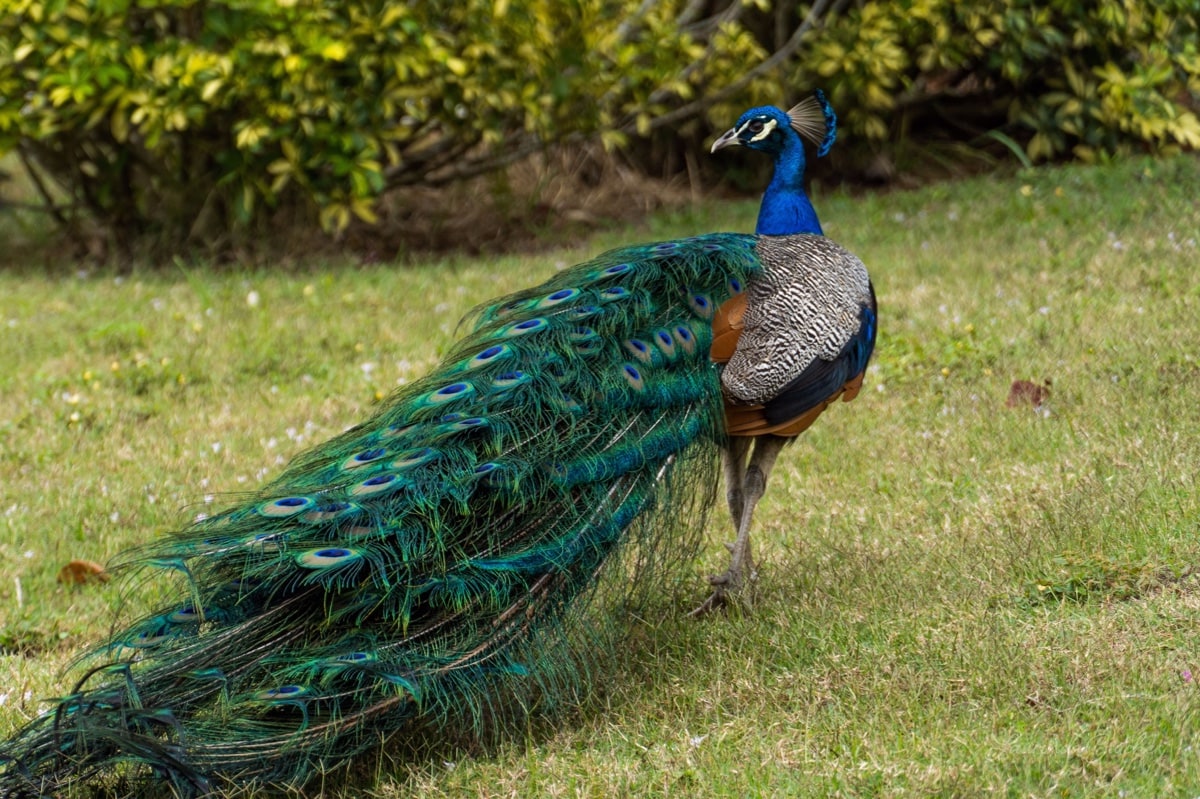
(958, 598)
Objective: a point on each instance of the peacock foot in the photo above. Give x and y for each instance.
(731, 585)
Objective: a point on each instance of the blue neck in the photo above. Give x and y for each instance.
(785, 207)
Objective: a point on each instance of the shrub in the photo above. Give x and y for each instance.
(1067, 78)
(178, 118)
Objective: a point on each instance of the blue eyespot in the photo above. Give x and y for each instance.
(327, 557)
(558, 297)
(287, 506)
(283, 692)
(524, 327)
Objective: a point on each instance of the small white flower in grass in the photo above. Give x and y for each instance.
(241, 478)
(114, 517)
(27, 554)
(199, 517)
(4, 698)
(272, 442)
(209, 499)
(899, 216)
(253, 299)
(367, 367)
(696, 740)
(1044, 310)
(441, 307)
(151, 499)
(28, 695)
(216, 446)
(158, 304)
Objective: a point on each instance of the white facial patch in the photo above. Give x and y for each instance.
(768, 126)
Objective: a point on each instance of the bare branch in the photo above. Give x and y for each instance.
(50, 207)
(815, 14)
(630, 23)
(705, 27)
(471, 169)
(17, 205)
(434, 171)
(690, 12)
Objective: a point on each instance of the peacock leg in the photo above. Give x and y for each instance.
(741, 565)
(733, 461)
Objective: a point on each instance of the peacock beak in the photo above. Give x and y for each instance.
(727, 138)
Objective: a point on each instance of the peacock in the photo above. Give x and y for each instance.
(442, 563)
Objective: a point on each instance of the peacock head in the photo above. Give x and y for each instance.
(772, 131)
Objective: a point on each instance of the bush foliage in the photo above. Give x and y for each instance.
(182, 120)
(1066, 78)
(178, 117)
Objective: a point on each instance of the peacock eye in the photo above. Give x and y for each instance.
(755, 126)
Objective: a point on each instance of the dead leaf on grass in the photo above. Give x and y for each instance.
(1025, 392)
(81, 572)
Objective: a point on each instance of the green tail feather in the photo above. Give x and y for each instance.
(429, 561)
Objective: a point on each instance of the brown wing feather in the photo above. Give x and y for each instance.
(748, 420)
(727, 326)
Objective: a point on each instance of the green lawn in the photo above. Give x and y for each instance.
(958, 598)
